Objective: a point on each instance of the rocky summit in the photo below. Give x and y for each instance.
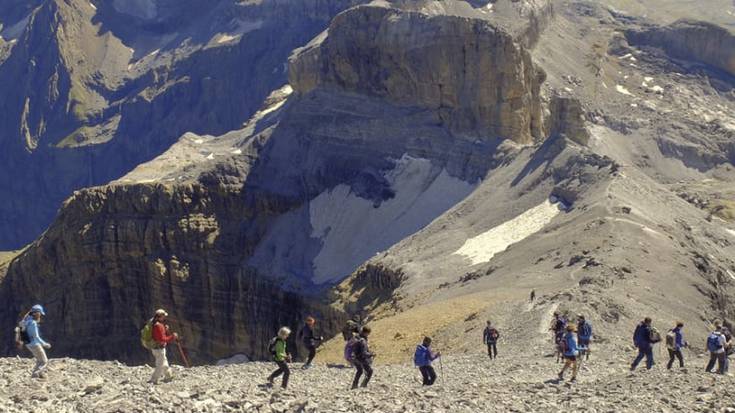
(421, 165)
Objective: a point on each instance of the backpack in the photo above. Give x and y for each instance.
(350, 350)
(421, 356)
(671, 340)
(146, 336)
(713, 343)
(655, 336)
(272, 346)
(563, 345)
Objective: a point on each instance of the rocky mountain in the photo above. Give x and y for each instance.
(425, 164)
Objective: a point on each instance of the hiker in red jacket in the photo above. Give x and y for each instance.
(162, 338)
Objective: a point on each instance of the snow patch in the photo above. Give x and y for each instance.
(623, 90)
(353, 229)
(483, 247)
(731, 231)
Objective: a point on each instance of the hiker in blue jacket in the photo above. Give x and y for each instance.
(422, 358)
(33, 341)
(570, 350)
(674, 343)
(584, 332)
(642, 341)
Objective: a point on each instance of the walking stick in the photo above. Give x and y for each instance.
(441, 367)
(183, 355)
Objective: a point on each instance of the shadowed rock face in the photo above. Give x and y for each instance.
(117, 253)
(473, 75)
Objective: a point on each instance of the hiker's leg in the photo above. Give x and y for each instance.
(358, 373)
(490, 350)
(727, 363)
(312, 353)
(424, 375)
(638, 359)
(721, 363)
(649, 358)
(672, 356)
(574, 369)
(495, 350)
(166, 367)
(159, 370)
(680, 356)
(368, 375)
(564, 368)
(711, 363)
(432, 375)
(277, 372)
(39, 354)
(286, 373)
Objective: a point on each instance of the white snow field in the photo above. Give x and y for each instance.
(483, 247)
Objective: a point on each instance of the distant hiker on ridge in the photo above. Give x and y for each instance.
(570, 350)
(584, 332)
(362, 358)
(158, 336)
(716, 342)
(674, 343)
(490, 337)
(422, 358)
(311, 342)
(644, 337)
(278, 349)
(28, 334)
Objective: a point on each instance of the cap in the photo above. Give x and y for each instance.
(162, 312)
(38, 308)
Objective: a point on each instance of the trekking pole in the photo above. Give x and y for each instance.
(183, 355)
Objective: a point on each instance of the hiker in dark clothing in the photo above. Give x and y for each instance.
(642, 341)
(350, 330)
(422, 358)
(674, 343)
(584, 335)
(363, 358)
(311, 342)
(533, 295)
(490, 338)
(558, 326)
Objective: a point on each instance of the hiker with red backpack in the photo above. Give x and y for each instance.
(716, 343)
(490, 338)
(362, 358)
(674, 343)
(160, 337)
(279, 349)
(422, 358)
(28, 334)
(570, 351)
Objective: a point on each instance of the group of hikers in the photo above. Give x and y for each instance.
(572, 341)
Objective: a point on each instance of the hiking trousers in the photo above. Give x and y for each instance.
(312, 353)
(721, 359)
(360, 367)
(162, 367)
(492, 350)
(675, 354)
(41, 360)
(428, 375)
(282, 369)
(643, 352)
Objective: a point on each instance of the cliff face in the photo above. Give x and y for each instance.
(116, 253)
(473, 75)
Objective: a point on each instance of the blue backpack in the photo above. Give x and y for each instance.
(713, 343)
(421, 356)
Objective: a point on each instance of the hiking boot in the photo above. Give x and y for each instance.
(561, 376)
(306, 366)
(573, 380)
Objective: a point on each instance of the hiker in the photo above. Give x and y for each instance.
(311, 342)
(644, 338)
(278, 349)
(533, 295)
(728, 347)
(350, 330)
(558, 326)
(30, 336)
(490, 338)
(716, 342)
(584, 329)
(422, 358)
(570, 351)
(161, 338)
(362, 358)
(674, 343)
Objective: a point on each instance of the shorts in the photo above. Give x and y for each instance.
(570, 358)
